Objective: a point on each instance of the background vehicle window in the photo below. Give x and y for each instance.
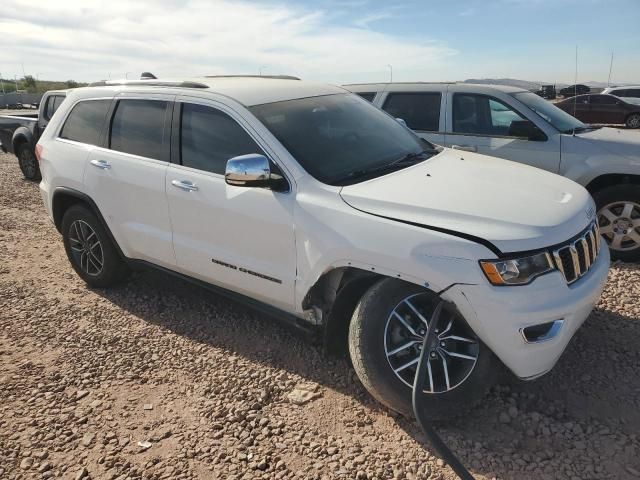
(209, 137)
(420, 111)
(368, 96)
(53, 103)
(602, 100)
(633, 92)
(482, 115)
(137, 127)
(620, 93)
(84, 123)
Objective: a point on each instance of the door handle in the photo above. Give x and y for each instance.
(184, 185)
(466, 148)
(103, 164)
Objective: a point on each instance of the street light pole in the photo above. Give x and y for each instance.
(390, 72)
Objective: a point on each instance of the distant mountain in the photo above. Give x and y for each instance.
(531, 85)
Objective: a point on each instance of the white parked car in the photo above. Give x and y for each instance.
(630, 92)
(305, 200)
(518, 125)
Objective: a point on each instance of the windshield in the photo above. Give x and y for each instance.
(341, 139)
(550, 113)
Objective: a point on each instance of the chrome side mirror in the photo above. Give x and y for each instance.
(250, 170)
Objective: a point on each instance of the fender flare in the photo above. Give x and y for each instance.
(58, 212)
(21, 135)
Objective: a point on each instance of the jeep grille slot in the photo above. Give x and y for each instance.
(576, 257)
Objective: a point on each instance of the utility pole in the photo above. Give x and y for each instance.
(610, 68)
(390, 72)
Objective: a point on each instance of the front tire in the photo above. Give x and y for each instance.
(385, 335)
(619, 219)
(90, 250)
(633, 120)
(28, 163)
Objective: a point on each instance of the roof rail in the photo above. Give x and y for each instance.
(148, 83)
(276, 77)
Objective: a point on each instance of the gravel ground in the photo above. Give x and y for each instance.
(160, 379)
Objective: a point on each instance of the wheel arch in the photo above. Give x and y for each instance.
(21, 136)
(336, 293)
(626, 119)
(64, 198)
(610, 180)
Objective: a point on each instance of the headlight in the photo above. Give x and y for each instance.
(516, 271)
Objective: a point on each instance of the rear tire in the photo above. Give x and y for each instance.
(90, 250)
(633, 120)
(370, 336)
(619, 218)
(28, 162)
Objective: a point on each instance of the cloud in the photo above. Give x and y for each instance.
(90, 40)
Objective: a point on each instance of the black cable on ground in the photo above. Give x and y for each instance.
(440, 447)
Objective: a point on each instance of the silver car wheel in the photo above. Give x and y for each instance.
(86, 248)
(620, 225)
(450, 363)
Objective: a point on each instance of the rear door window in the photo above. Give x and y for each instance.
(85, 121)
(209, 137)
(420, 111)
(602, 100)
(138, 128)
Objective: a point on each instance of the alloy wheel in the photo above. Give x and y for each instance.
(620, 225)
(633, 121)
(452, 360)
(86, 247)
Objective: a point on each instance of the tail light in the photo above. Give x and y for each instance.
(38, 151)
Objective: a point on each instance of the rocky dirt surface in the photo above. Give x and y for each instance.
(160, 379)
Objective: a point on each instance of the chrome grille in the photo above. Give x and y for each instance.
(575, 258)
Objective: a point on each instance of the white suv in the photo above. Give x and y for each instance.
(518, 125)
(306, 200)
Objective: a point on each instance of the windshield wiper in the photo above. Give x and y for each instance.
(405, 160)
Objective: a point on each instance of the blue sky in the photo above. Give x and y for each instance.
(328, 40)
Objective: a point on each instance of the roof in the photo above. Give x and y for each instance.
(416, 86)
(248, 90)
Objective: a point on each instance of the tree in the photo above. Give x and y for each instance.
(29, 82)
(71, 84)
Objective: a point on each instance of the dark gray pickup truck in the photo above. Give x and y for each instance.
(20, 133)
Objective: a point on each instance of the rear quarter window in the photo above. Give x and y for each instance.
(368, 96)
(85, 121)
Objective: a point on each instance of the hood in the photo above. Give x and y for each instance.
(614, 140)
(513, 206)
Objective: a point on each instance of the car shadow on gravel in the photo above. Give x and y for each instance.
(589, 399)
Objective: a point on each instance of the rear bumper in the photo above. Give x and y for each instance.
(46, 198)
(498, 315)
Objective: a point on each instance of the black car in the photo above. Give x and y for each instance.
(19, 133)
(573, 90)
(547, 91)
